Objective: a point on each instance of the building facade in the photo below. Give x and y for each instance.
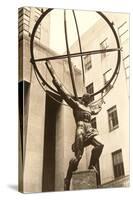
(46, 123)
(113, 121)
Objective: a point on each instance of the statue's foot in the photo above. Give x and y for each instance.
(93, 168)
(66, 184)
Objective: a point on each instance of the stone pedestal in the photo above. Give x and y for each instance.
(84, 180)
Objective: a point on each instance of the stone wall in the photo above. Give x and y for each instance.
(120, 182)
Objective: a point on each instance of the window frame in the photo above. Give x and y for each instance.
(104, 45)
(106, 81)
(118, 168)
(114, 110)
(91, 88)
(87, 63)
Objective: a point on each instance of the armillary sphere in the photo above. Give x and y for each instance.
(80, 54)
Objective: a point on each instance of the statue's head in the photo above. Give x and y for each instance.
(85, 98)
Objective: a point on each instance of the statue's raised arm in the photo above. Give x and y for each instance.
(60, 87)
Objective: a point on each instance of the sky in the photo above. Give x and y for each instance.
(85, 20)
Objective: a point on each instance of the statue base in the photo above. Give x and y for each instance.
(84, 180)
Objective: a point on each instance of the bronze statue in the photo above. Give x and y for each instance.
(82, 110)
(85, 134)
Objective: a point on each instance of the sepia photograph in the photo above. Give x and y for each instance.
(73, 99)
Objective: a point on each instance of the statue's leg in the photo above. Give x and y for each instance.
(73, 163)
(96, 152)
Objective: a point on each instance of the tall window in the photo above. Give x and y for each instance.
(104, 45)
(90, 90)
(87, 61)
(113, 118)
(94, 123)
(118, 163)
(106, 76)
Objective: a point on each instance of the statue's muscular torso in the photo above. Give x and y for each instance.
(82, 113)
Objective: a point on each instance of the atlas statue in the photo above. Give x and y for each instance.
(84, 134)
(83, 110)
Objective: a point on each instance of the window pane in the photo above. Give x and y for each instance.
(118, 163)
(113, 119)
(104, 45)
(87, 61)
(90, 90)
(106, 76)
